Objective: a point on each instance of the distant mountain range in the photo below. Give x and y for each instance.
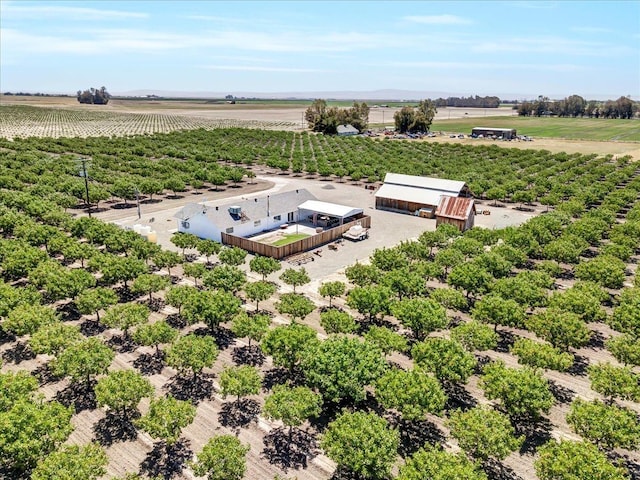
(384, 94)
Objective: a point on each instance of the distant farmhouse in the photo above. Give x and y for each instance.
(424, 195)
(246, 224)
(347, 130)
(504, 133)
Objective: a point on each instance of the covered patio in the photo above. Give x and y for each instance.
(326, 214)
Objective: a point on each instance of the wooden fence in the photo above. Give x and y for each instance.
(302, 245)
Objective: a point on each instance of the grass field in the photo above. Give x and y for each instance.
(569, 128)
(289, 238)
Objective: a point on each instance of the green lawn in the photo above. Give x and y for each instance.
(570, 128)
(290, 238)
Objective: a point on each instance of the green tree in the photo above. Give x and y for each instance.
(421, 315)
(362, 275)
(184, 240)
(608, 426)
(287, 344)
(259, 291)
(15, 386)
(96, 299)
(523, 393)
(226, 278)
(208, 247)
(363, 443)
(386, 339)
(434, 463)
(614, 382)
(31, 431)
(222, 458)
(232, 256)
(450, 298)
(563, 330)
(474, 335)
(84, 359)
(371, 300)
(264, 266)
(72, 461)
(484, 433)
(166, 418)
(341, 367)
(27, 319)
(337, 321)
(296, 305)
(470, 277)
(605, 270)
(295, 278)
(149, 283)
(570, 460)
(126, 315)
(496, 310)
(240, 381)
(179, 295)
(122, 390)
(584, 299)
(167, 259)
(192, 353)
(625, 349)
(254, 327)
(448, 258)
(626, 316)
(413, 393)
(541, 355)
(332, 290)
(388, 259)
(55, 337)
(447, 359)
(210, 307)
(194, 270)
(154, 334)
(292, 405)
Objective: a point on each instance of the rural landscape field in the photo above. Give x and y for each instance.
(502, 353)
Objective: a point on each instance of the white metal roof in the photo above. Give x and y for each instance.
(444, 185)
(410, 194)
(495, 129)
(332, 209)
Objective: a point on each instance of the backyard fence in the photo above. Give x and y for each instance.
(302, 245)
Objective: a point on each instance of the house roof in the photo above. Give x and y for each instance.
(346, 129)
(255, 208)
(332, 209)
(458, 208)
(410, 194)
(430, 183)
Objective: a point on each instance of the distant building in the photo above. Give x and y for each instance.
(457, 211)
(347, 130)
(417, 195)
(505, 133)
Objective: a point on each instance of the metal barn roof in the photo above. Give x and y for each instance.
(458, 208)
(410, 194)
(332, 209)
(430, 183)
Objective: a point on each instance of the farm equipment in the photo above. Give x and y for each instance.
(356, 233)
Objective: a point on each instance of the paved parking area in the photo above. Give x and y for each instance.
(387, 228)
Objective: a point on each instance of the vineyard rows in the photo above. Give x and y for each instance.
(25, 121)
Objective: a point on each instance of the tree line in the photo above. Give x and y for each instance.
(94, 96)
(577, 106)
(325, 119)
(469, 102)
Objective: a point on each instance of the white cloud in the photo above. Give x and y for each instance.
(16, 10)
(551, 45)
(438, 19)
(591, 30)
(563, 67)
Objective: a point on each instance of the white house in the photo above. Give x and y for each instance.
(347, 130)
(244, 218)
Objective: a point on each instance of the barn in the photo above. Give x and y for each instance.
(505, 133)
(457, 211)
(416, 195)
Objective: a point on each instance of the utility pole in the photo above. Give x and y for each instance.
(138, 201)
(83, 161)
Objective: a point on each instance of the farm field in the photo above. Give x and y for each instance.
(574, 263)
(550, 127)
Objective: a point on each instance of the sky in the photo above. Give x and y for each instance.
(518, 49)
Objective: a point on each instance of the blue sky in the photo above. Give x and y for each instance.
(520, 49)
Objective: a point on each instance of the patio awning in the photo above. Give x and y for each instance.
(331, 209)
